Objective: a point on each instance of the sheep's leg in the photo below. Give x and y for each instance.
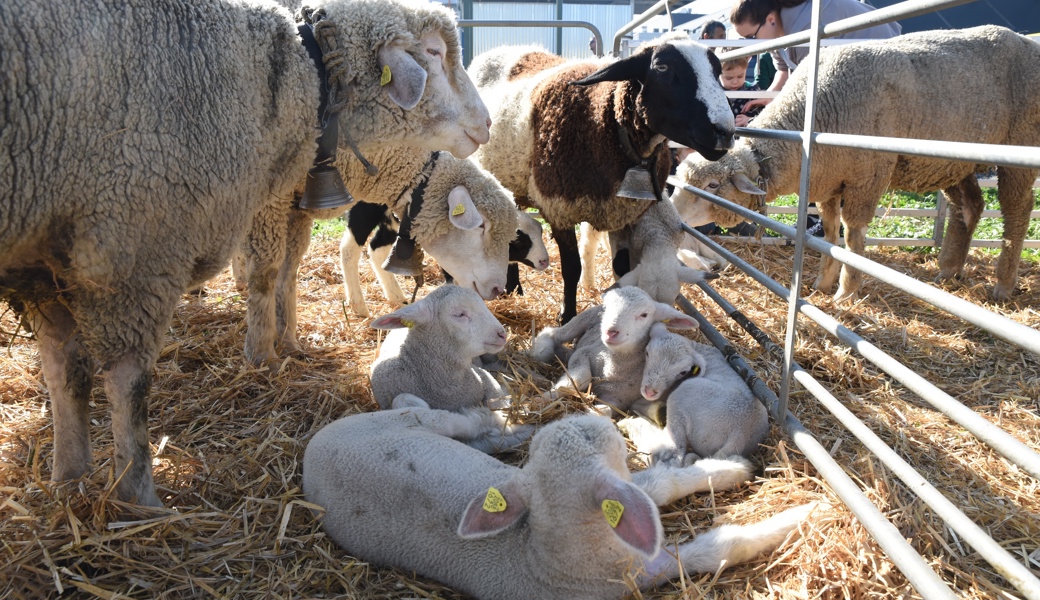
(349, 262)
(69, 373)
(966, 207)
(724, 546)
(391, 288)
(265, 250)
(665, 483)
(851, 279)
(570, 268)
(1015, 191)
(588, 245)
(830, 213)
(127, 384)
(578, 375)
(298, 238)
(238, 271)
(513, 285)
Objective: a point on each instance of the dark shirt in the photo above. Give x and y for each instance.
(738, 103)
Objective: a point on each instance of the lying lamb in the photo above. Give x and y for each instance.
(572, 524)
(892, 88)
(610, 348)
(566, 133)
(161, 158)
(709, 409)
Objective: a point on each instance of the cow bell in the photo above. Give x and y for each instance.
(406, 258)
(637, 185)
(324, 189)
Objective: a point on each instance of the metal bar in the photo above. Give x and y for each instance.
(998, 439)
(548, 24)
(643, 17)
(1000, 326)
(918, 573)
(883, 211)
(908, 242)
(939, 226)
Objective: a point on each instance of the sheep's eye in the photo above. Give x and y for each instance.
(660, 67)
(433, 52)
(684, 373)
(459, 315)
(713, 185)
(644, 315)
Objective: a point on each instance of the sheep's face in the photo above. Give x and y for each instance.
(628, 314)
(669, 358)
(730, 178)
(475, 330)
(529, 246)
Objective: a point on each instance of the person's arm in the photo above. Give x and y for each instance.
(779, 79)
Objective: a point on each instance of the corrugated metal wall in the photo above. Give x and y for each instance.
(607, 18)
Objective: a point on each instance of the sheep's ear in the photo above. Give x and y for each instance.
(461, 211)
(403, 78)
(633, 68)
(630, 513)
(744, 184)
(492, 511)
(408, 316)
(674, 319)
(690, 275)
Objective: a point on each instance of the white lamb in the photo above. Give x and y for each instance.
(709, 409)
(572, 524)
(611, 341)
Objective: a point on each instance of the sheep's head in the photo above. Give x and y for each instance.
(529, 246)
(680, 92)
(456, 316)
(628, 315)
(731, 177)
(669, 358)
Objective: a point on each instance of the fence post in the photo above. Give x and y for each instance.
(940, 218)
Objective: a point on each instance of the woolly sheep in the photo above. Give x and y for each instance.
(563, 144)
(431, 349)
(709, 410)
(572, 524)
(611, 344)
(131, 173)
(893, 88)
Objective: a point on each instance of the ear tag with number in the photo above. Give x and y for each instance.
(458, 210)
(385, 76)
(408, 323)
(494, 501)
(612, 510)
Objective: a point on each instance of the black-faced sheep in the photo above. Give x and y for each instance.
(134, 158)
(572, 524)
(565, 133)
(893, 88)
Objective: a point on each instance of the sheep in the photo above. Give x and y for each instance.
(363, 218)
(892, 88)
(611, 342)
(431, 348)
(572, 524)
(131, 173)
(709, 410)
(564, 145)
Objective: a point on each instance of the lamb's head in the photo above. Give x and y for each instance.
(577, 495)
(529, 246)
(415, 76)
(454, 316)
(628, 315)
(670, 358)
(680, 92)
(731, 177)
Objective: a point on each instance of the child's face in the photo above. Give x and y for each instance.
(732, 79)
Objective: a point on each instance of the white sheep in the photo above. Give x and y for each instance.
(431, 350)
(566, 133)
(132, 173)
(610, 349)
(893, 88)
(572, 524)
(709, 410)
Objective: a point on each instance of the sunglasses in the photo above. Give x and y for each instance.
(754, 35)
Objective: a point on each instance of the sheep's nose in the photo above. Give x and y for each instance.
(544, 263)
(489, 122)
(649, 393)
(612, 333)
(502, 335)
(496, 291)
(723, 138)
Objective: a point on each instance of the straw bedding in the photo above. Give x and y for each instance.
(228, 441)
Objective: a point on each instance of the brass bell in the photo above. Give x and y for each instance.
(406, 258)
(324, 189)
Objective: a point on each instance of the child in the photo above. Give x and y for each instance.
(734, 78)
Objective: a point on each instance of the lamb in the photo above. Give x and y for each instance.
(131, 174)
(610, 348)
(710, 412)
(892, 88)
(431, 349)
(572, 524)
(363, 218)
(564, 145)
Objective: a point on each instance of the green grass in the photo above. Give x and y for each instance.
(329, 229)
(921, 227)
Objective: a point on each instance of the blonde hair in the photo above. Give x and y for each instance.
(734, 63)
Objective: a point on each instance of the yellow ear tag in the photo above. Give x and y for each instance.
(458, 210)
(494, 501)
(695, 371)
(385, 76)
(408, 323)
(612, 510)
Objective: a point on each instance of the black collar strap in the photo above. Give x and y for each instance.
(647, 163)
(694, 372)
(328, 123)
(404, 232)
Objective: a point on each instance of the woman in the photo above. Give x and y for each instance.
(770, 19)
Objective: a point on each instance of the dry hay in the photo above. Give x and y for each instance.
(228, 440)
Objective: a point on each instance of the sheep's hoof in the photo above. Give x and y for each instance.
(1002, 293)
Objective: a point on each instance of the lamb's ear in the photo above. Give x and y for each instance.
(689, 275)
(744, 184)
(492, 511)
(403, 78)
(674, 319)
(630, 513)
(461, 211)
(408, 316)
(633, 68)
